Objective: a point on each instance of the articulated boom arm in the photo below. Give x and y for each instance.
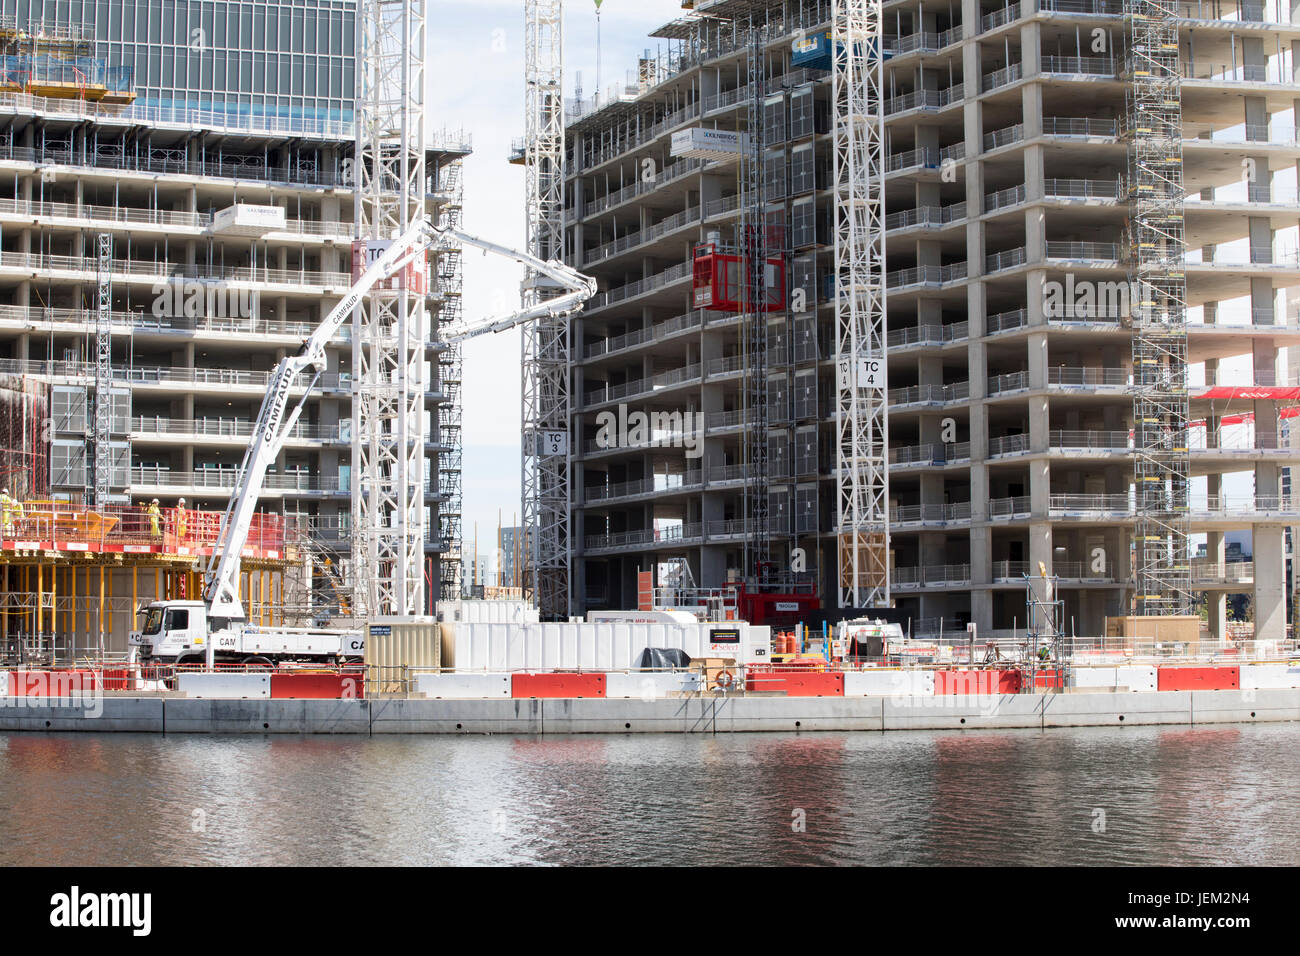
(275, 421)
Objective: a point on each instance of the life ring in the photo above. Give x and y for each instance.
(724, 680)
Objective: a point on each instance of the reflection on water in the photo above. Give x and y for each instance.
(1140, 796)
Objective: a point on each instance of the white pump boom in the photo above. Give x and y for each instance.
(221, 592)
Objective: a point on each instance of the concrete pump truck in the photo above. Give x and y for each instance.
(216, 628)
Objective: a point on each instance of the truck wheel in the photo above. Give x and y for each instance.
(256, 661)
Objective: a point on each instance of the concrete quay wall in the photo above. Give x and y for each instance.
(704, 714)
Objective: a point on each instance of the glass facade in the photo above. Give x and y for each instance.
(291, 62)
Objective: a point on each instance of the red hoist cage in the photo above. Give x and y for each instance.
(719, 280)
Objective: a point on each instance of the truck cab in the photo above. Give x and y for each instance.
(173, 630)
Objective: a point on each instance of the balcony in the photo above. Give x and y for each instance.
(1075, 66)
(223, 479)
(641, 286)
(929, 515)
(235, 430)
(1077, 572)
(937, 335)
(920, 276)
(930, 576)
(933, 453)
(925, 217)
(917, 395)
(649, 234)
(85, 268)
(657, 484)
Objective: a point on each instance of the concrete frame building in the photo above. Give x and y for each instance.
(169, 115)
(1010, 342)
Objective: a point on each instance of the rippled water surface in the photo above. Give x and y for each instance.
(1187, 795)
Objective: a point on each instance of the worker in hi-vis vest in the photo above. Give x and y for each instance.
(182, 519)
(155, 518)
(11, 509)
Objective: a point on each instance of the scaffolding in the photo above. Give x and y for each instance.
(1162, 465)
(1046, 645)
(450, 280)
(861, 422)
(752, 242)
(390, 324)
(546, 455)
(103, 447)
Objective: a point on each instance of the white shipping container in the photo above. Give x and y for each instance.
(487, 612)
(600, 645)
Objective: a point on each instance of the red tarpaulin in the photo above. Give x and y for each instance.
(1259, 393)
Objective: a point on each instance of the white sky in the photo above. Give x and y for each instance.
(476, 79)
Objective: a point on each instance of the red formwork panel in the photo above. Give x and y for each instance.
(796, 683)
(317, 686)
(977, 682)
(61, 683)
(1198, 678)
(557, 685)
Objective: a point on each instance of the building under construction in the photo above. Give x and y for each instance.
(1090, 218)
(177, 213)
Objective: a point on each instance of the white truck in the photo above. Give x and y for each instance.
(178, 632)
(216, 628)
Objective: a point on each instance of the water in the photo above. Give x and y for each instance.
(1224, 795)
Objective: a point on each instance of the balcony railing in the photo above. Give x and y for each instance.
(1080, 65)
(929, 394)
(1080, 126)
(40, 262)
(926, 275)
(1084, 251)
(237, 429)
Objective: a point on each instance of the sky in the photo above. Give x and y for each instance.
(476, 83)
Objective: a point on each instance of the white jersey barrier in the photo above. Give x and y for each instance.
(1135, 677)
(889, 683)
(647, 686)
(1269, 676)
(598, 646)
(225, 686)
(463, 686)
